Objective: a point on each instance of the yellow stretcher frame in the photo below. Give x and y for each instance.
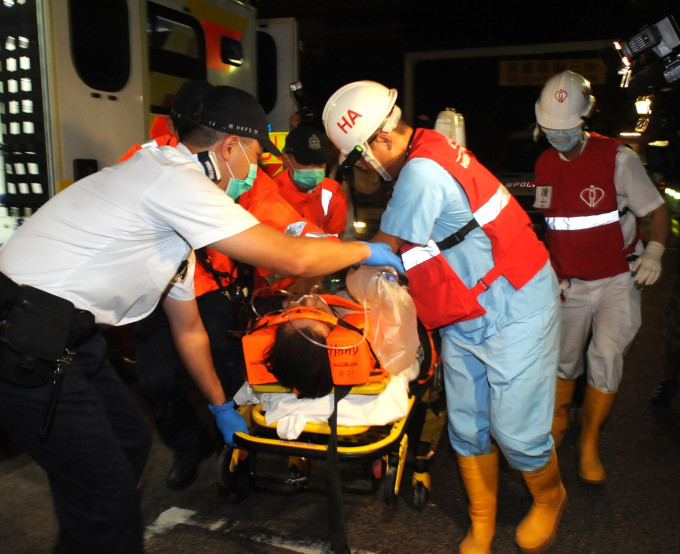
(354, 443)
(299, 447)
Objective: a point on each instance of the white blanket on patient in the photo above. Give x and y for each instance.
(292, 413)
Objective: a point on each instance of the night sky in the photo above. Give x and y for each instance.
(348, 40)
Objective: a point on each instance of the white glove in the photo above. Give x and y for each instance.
(647, 268)
(565, 285)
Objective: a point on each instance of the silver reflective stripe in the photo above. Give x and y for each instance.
(150, 144)
(490, 210)
(326, 196)
(583, 222)
(419, 254)
(295, 229)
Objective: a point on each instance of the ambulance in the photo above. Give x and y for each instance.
(82, 80)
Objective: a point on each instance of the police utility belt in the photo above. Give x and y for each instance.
(37, 332)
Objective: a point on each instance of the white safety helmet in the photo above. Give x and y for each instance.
(565, 99)
(356, 112)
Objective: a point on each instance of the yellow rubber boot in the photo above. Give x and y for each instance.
(596, 408)
(480, 477)
(564, 391)
(539, 527)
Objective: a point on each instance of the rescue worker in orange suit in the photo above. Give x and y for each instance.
(593, 190)
(499, 323)
(303, 182)
(220, 286)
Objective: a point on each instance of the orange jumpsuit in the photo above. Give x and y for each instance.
(325, 206)
(270, 208)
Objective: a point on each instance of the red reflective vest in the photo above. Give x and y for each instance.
(440, 296)
(583, 231)
(325, 206)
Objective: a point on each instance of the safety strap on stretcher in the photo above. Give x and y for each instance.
(336, 515)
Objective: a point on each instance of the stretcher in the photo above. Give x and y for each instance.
(379, 450)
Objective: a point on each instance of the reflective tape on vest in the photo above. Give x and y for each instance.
(583, 222)
(493, 206)
(419, 254)
(295, 229)
(487, 213)
(326, 196)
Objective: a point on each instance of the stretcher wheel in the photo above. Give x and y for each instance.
(389, 486)
(226, 471)
(232, 475)
(298, 471)
(420, 495)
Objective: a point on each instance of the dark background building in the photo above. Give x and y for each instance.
(347, 40)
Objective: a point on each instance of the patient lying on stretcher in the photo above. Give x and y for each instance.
(318, 341)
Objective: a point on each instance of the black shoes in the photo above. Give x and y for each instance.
(665, 392)
(185, 468)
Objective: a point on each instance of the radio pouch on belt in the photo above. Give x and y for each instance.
(36, 329)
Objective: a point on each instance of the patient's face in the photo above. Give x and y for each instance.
(311, 325)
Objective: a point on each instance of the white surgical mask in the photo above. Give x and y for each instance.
(564, 140)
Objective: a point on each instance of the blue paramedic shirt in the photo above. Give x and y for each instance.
(428, 202)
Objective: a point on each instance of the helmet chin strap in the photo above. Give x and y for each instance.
(375, 164)
(387, 127)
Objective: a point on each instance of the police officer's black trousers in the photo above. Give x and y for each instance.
(94, 455)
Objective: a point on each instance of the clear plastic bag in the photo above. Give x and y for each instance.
(393, 330)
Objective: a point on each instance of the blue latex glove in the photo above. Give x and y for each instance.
(381, 254)
(229, 421)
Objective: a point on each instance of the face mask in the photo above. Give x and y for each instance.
(236, 187)
(308, 178)
(565, 140)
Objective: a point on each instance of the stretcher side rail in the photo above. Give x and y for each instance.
(391, 434)
(364, 388)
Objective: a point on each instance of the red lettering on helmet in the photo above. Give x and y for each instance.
(345, 124)
(353, 116)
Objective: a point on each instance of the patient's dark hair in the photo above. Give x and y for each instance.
(300, 364)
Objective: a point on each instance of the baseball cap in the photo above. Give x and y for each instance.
(186, 98)
(235, 111)
(184, 105)
(308, 145)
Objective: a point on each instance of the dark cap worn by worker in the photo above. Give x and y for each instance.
(308, 145)
(235, 111)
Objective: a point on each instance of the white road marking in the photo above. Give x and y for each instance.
(180, 516)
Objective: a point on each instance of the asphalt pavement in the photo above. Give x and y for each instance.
(637, 510)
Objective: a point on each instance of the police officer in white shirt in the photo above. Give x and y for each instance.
(105, 251)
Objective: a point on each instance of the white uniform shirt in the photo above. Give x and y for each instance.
(635, 191)
(112, 242)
